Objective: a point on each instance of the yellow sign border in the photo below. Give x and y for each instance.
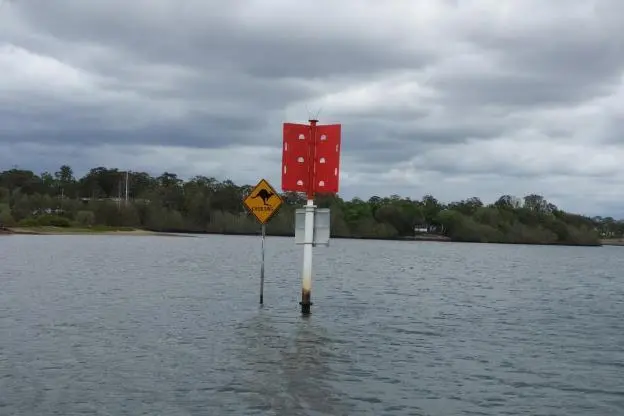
(257, 188)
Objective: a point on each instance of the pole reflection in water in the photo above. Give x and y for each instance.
(286, 368)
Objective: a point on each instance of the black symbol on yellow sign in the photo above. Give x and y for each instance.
(263, 201)
(264, 195)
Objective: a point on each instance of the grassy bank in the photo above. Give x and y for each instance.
(612, 242)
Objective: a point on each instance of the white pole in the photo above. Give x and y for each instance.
(308, 237)
(262, 266)
(126, 187)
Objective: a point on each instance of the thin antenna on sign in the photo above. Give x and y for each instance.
(308, 111)
(127, 189)
(318, 113)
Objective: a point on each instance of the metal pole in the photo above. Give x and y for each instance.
(262, 266)
(308, 237)
(308, 230)
(126, 187)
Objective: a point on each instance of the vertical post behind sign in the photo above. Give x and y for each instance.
(262, 266)
(263, 202)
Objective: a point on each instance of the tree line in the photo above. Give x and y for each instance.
(205, 205)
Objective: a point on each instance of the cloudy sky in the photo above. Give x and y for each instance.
(456, 98)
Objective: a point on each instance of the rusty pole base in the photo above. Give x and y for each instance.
(305, 302)
(305, 308)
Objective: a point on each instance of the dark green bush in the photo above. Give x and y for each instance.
(45, 221)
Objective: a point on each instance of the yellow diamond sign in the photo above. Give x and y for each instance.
(263, 201)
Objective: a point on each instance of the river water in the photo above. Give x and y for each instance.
(111, 325)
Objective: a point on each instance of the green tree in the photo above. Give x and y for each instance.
(167, 202)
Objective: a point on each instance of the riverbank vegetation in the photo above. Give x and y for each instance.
(202, 204)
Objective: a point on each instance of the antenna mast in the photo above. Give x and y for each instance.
(126, 187)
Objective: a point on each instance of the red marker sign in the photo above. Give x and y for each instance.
(311, 158)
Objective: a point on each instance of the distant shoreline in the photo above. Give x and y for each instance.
(85, 231)
(50, 230)
(173, 233)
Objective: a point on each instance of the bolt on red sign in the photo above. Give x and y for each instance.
(311, 158)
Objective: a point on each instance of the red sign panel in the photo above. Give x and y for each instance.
(295, 174)
(327, 159)
(302, 152)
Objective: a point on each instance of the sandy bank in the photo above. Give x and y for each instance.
(612, 242)
(87, 231)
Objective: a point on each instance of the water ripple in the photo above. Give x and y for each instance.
(158, 326)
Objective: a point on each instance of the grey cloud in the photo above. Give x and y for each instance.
(199, 75)
(82, 128)
(516, 90)
(612, 130)
(213, 38)
(455, 166)
(399, 141)
(41, 158)
(558, 56)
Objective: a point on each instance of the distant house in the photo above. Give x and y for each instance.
(47, 211)
(421, 228)
(115, 199)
